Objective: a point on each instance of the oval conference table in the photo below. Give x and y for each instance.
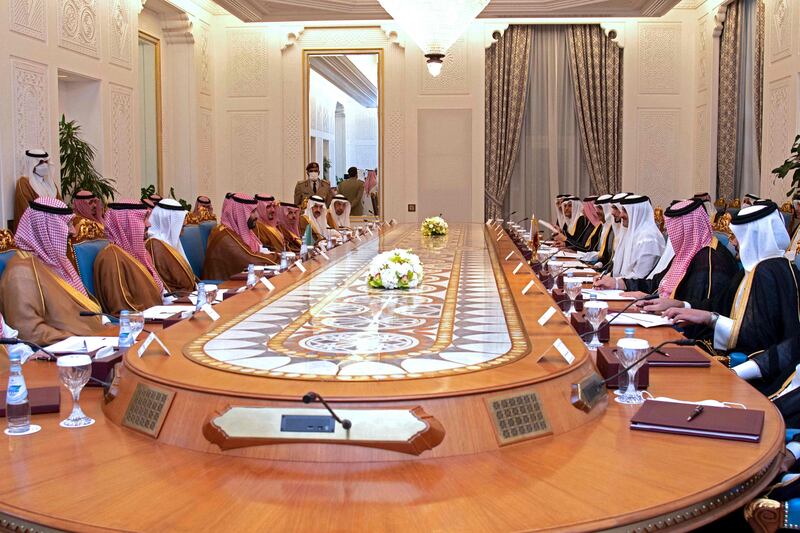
(459, 405)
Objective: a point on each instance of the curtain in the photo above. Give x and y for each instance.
(596, 63)
(506, 88)
(551, 158)
(741, 74)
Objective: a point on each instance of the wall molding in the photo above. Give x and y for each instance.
(178, 28)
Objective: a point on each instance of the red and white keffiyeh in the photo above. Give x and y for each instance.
(688, 234)
(126, 229)
(283, 217)
(590, 212)
(87, 205)
(45, 234)
(235, 214)
(264, 204)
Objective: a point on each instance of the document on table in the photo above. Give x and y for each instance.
(572, 264)
(567, 254)
(581, 271)
(638, 319)
(610, 295)
(81, 344)
(161, 312)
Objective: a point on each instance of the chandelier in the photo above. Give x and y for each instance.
(434, 25)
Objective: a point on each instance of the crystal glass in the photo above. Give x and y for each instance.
(630, 350)
(555, 268)
(572, 287)
(74, 372)
(595, 312)
(137, 324)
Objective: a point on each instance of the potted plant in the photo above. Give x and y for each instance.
(791, 164)
(77, 164)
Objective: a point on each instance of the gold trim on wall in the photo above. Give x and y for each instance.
(306, 101)
(156, 42)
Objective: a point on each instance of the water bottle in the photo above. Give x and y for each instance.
(251, 276)
(125, 333)
(330, 243)
(202, 299)
(18, 409)
(284, 260)
(623, 379)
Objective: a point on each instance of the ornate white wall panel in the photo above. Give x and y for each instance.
(31, 115)
(658, 151)
(701, 154)
(204, 57)
(248, 141)
(394, 135)
(703, 46)
(343, 38)
(28, 17)
(122, 140)
(659, 57)
(120, 33)
(79, 26)
(780, 29)
(247, 62)
(454, 76)
(779, 135)
(205, 181)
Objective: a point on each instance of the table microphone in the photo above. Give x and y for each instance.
(652, 296)
(51, 355)
(92, 313)
(589, 391)
(311, 396)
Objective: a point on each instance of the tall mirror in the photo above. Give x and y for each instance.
(150, 110)
(343, 124)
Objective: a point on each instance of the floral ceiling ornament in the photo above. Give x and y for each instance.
(434, 25)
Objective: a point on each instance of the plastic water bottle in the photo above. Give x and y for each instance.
(330, 243)
(629, 332)
(125, 333)
(284, 260)
(303, 251)
(18, 409)
(251, 276)
(202, 299)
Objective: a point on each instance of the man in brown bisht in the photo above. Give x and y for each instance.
(232, 245)
(203, 209)
(124, 274)
(41, 293)
(35, 183)
(165, 248)
(87, 206)
(267, 224)
(289, 224)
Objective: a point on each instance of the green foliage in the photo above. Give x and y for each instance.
(77, 164)
(151, 190)
(326, 165)
(791, 164)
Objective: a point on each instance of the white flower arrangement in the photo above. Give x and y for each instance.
(397, 269)
(434, 226)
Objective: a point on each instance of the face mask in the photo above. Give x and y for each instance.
(41, 170)
(313, 175)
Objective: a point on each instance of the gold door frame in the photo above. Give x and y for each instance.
(307, 52)
(156, 42)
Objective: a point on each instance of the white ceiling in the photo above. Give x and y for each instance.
(325, 10)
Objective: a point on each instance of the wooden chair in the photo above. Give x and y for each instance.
(7, 248)
(658, 215)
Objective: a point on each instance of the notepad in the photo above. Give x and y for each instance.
(81, 344)
(638, 319)
(714, 422)
(160, 312)
(608, 295)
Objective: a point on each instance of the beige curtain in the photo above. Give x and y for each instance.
(727, 125)
(596, 63)
(506, 90)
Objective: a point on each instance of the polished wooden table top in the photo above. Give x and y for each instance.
(591, 473)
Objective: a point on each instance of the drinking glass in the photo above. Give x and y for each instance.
(572, 287)
(74, 372)
(555, 268)
(630, 350)
(137, 324)
(595, 312)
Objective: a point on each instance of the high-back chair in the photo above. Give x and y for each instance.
(7, 249)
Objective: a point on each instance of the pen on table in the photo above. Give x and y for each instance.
(695, 413)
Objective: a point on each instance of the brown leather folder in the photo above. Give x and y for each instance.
(42, 400)
(714, 422)
(679, 356)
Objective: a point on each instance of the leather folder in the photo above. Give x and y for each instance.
(714, 422)
(42, 400)
(679, 356)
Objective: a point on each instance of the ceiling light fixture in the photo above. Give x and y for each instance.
(434, 25)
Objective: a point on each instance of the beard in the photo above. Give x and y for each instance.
(251, 223)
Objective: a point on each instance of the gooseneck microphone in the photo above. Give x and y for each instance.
(92, 313)
(50, 355)
(589, 391)
(312, 396)
(652, 296)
